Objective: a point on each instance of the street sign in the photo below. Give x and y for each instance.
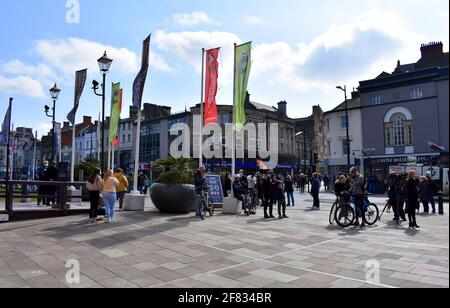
(215, 188)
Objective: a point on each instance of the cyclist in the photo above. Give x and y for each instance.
(357, 191)
(252, 182)
(342, 188)
(199, 181)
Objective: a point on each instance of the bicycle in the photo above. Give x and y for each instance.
(345, 214)
(334, 207)
(250, 204)
(207, 203)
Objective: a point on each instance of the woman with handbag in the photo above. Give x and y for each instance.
(109, 193)
(94, 185)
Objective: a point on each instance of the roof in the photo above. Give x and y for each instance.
(259, 106)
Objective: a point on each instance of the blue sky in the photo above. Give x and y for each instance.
(301, 49)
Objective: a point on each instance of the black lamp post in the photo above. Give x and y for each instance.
(347, 125)
(54, 93)
(104, 63)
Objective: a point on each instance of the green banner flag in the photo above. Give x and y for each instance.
(115, 111)
(243, 62)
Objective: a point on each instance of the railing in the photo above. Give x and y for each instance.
(35, 189)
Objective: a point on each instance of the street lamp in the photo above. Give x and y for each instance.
(347, 125)
(54, 94)
(104, 63)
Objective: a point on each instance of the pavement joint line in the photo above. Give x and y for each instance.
(332, 275)
(255, 260)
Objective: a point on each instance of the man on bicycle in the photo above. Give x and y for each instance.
(199, 181)
(357, 191)
(342, 188)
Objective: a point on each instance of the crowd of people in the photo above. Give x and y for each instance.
(47, 193)
(104, 192)
(268, 188)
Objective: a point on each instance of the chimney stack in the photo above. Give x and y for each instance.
(282, 108)
(432, 49)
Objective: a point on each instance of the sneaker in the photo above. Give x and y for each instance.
(285, 216)
(271, 216)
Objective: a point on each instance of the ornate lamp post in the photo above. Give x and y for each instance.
(104, 63)
(54, 93)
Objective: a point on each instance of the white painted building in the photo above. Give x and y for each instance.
(336, 136)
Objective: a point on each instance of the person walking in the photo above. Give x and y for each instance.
(326, 182)
(267, 196)
(109, 193)
(433, 191)
(43, 189)
(122, 188)
(280, 197)
(289, 189)
(424, 194)
(146, 184)
(412, 198)
(315, 191)
(94, 185)
(140, 181)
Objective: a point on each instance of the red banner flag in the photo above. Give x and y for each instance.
(212, 75)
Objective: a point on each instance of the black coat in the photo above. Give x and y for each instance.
(412, 194)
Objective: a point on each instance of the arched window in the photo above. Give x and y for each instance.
(398, 130)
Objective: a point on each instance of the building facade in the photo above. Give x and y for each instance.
(336, 137)
(404, 112)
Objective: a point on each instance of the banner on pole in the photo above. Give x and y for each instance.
(212, 75)
(80, 81)
(58, 137)
(115, 110)
(6, 127)
(242, 72)
(139, 82)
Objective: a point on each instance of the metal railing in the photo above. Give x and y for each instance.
(35, 190)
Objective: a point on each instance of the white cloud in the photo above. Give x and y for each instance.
(193, 19)
(362, 48)
(187, 46)
(39, 70)
(22, 85)
(253, 20)
(71, 54)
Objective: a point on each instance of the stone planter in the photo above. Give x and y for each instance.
(174, 198)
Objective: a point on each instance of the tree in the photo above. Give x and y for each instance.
(88, 167)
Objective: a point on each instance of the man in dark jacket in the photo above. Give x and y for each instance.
(51, 175)
(199, 182)
(315, 190)
(432, 191)
(268, 196)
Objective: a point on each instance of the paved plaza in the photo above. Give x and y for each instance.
(150, 249)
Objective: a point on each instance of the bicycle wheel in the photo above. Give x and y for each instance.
(211, 208)
(372, 214)
(345, 216)
(332, 217)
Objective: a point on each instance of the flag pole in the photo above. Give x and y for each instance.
(202, 102)
(33, 171)
(233, 140)
(136, 154)
(112, 157)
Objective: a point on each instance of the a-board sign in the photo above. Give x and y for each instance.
(215, 188)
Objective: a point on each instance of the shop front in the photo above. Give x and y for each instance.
(381, 167)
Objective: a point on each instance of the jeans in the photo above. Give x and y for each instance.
(94, 197)
(121, 197)
(359, 205)
(433, 204)
(199, 207)
(290, 197)
(110, 205)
